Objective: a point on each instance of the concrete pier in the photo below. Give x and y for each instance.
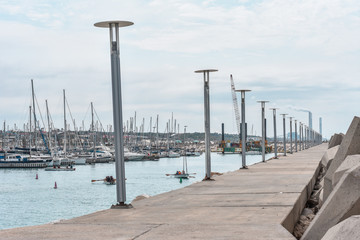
(261, 202)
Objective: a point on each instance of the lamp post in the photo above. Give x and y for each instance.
(263, 128)
(296, 138)
(113, 27)
(207, 121)
(291, 134)
(275, 137)
(243, 137)
(284, 130)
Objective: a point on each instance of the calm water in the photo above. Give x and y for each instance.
(25, 201)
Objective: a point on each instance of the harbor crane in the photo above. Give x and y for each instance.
(236, 106)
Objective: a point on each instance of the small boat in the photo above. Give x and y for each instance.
(173, 155)
(108, 180)
(180, 174)
(59, 168)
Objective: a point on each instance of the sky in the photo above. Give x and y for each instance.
(300, 55)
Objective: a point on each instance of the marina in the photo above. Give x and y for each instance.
(28, 201)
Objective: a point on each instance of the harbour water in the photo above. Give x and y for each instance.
(27, 201)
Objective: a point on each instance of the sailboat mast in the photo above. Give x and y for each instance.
(64, 123)
(157, 131)
(185, 160)
(48, 120)
(30, 129)
(34, 112)
(92, 128)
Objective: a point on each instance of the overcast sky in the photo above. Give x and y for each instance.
(299, 54)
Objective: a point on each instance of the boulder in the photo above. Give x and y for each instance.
(328, 156)
(345, 230)
(350, 145)
(349, 162)
(343, 202)
(336, 139)
(141, 197)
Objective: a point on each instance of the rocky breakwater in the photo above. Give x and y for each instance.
(334, 205)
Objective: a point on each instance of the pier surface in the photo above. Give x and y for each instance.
(244, 204)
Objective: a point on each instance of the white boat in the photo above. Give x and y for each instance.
(18, 158)
(58, 168)
(131, 156)
(182, 174)
(173, 155)
(79, 161)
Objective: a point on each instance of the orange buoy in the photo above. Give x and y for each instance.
(55, 187)
(37, 177)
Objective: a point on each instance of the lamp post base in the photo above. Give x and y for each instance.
(121, 206)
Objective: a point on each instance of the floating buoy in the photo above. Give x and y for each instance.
(180, 180)
(37, 177)
(55, 187)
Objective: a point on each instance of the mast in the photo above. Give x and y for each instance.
(30, 131)
(157, 131)
(35, 120)
(64, 123)
(167, 136)
(93, 129)
(49, 128)
(185, 168)
(3, 139)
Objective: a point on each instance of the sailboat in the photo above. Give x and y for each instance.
(184, 173)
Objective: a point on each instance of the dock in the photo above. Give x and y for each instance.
(23, 165)
(262, 202)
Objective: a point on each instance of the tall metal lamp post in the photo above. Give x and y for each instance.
(263, 129)
(243, 136)
(113, 27)
(296, 137)
(284, 130)
(275, 137)
(207, 121)
(291, 151)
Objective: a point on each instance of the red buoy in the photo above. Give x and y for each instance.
(37, 177)
(55, 186)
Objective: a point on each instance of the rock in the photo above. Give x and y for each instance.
(336, 139)
(306, 212)
(312, 202)
(343, 202)
(328, 157)
(140, 197)
(345, 230)
(350, 145)
(349, 162)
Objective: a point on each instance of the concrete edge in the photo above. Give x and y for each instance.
(293, 216)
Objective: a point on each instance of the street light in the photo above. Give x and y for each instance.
(291, 134)
(207, 121)
(113, 27)
(243, 137)
(284, 130)
(263, 128)
(275, 137)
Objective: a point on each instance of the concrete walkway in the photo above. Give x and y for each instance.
(245, 204)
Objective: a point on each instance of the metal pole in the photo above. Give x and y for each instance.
(291, 151)
(296, 144)
(117, 106)
(243, 128)
(275, 137)
(263, 128)
(207, 121)
(284, 131)
(299, 136)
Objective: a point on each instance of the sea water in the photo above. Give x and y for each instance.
(27, 201)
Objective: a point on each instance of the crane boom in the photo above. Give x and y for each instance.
(236, 106)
